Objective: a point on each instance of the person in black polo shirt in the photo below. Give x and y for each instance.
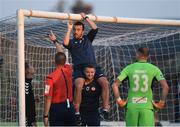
(29, 94)
(82, 53)
(91, 92)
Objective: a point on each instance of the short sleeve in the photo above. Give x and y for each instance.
(67, 65)
(48, 87)
(123, 74)
(92, 34)
(158, 74)
(69, 45)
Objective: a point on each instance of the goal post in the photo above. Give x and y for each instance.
(63, 16)
(21, 68)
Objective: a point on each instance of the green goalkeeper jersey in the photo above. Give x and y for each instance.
(140, 75)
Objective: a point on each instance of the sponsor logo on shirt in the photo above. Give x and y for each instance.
(139, 100)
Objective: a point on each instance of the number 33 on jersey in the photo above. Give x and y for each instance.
(140, 76)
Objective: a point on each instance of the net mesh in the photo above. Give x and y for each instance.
(114, 46)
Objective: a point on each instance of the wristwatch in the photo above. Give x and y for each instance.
(86, 17)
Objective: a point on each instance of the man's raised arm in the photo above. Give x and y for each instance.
(68, 34)
(53, 38)
(91, 23)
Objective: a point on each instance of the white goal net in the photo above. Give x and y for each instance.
(115, 47)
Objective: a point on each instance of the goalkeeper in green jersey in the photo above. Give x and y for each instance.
(140, 102)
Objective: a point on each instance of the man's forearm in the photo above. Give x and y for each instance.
(47, 105)
(67, 37)
(164, 94)
(58, 47)
(91, 23)
(115, 87)
(105, 97)
(165, 89)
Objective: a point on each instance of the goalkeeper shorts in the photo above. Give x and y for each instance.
(139, 117)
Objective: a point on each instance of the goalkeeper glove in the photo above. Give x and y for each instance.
(78, 119)
(159, 105)
(121, 103)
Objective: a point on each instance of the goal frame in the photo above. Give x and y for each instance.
(22, 13)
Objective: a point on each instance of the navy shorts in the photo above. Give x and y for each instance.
(60, 115)
(78, 72)
(90, 118)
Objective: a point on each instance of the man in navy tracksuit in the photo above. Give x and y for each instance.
(82, 53)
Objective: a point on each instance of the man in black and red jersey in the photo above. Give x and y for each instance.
(58, 107)
(91, 92)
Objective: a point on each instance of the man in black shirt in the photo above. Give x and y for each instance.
(30, 101)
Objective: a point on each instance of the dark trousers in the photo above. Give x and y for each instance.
(90, 118)
(28, 123)
(60, 115)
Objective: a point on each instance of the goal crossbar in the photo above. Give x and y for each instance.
(69, 16)
(21, 13)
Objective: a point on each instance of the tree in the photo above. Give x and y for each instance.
(60, 6)
(80, 6)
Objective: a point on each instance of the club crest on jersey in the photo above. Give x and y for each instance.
(93, 89)
(87, 88)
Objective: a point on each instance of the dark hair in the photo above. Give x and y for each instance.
(60, 58)
(79, 23)
(90, 66)
(143, 51)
